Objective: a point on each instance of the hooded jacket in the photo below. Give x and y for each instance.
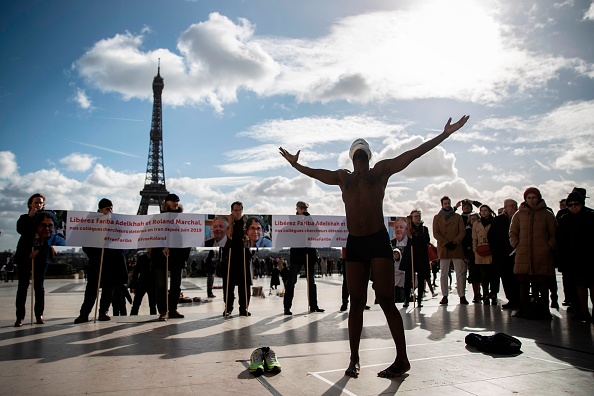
(532, 234)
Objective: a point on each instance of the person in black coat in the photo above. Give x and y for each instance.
(143, 282)
(177, 262)
(503, 253)
(239, 271)
(574, 235)
(112, 259)
(298, 258)
(418, 239)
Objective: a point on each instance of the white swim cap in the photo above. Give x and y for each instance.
(360, 144)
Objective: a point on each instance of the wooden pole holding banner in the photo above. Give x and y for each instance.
(246, 285)
(167, 284)
(98, 285)
(227, 282)
(32, 281)
(412, 264)
(307, 275)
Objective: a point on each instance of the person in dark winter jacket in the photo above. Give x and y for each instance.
(113, 260)
(574, 235)
(176, 258)
(143, 282)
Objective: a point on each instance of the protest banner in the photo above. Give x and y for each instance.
(118, 231)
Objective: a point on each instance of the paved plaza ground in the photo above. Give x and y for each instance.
(205, 354)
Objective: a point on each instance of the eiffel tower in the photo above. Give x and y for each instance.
(154, 191)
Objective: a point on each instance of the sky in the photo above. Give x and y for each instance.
(243, 78)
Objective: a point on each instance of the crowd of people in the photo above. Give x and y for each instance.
(519, 248)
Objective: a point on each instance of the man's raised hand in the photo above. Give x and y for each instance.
(451, 128)
(292, 158)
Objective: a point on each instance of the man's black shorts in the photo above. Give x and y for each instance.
(363, 249)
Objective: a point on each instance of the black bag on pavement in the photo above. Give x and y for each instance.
(499, 344)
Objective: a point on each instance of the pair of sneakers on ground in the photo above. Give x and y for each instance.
(264, 359)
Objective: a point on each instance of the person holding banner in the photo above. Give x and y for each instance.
(41, 254)
(25, 227)
(418, 262)
(300, 257)
(175, 259)
(101, 261)
(368, 244)
(237, 266)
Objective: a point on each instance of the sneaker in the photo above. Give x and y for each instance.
(271, 362)
(245, 313)
(444, 300)
(463, 300)
(257, 362)
(103, 317)
(163, 317)
(287, 312)
(434, 294)
(175, 315)
(81, 319)
(318, 310)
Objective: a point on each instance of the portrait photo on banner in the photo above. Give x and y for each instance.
(258, 231)
(218, 230)
(397, 228)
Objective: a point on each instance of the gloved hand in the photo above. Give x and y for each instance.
(450, 245)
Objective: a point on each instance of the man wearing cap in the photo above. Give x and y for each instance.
(112, 258)
(368, 244)
(574, 236)
(569, 288)
(177, 262)
(298, 258)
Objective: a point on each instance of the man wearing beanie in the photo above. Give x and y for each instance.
(113, 260)
(177, 262)
(532, 235)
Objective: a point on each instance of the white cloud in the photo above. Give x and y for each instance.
(590, 13)
(8, 164)
(78, 162)
(578, 156)
(371, 57)
(81, 97)
(478, 149)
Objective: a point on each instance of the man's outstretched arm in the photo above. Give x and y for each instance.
(395, 165)
(323, 175)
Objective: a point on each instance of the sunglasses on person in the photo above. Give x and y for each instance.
(572, 204)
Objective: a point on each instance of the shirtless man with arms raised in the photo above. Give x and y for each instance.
(368, 244)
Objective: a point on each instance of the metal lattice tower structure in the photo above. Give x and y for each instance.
(154, 191)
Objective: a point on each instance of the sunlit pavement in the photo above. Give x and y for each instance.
(205, 353)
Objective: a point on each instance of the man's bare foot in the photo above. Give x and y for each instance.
(353, 370)
(395, 370)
